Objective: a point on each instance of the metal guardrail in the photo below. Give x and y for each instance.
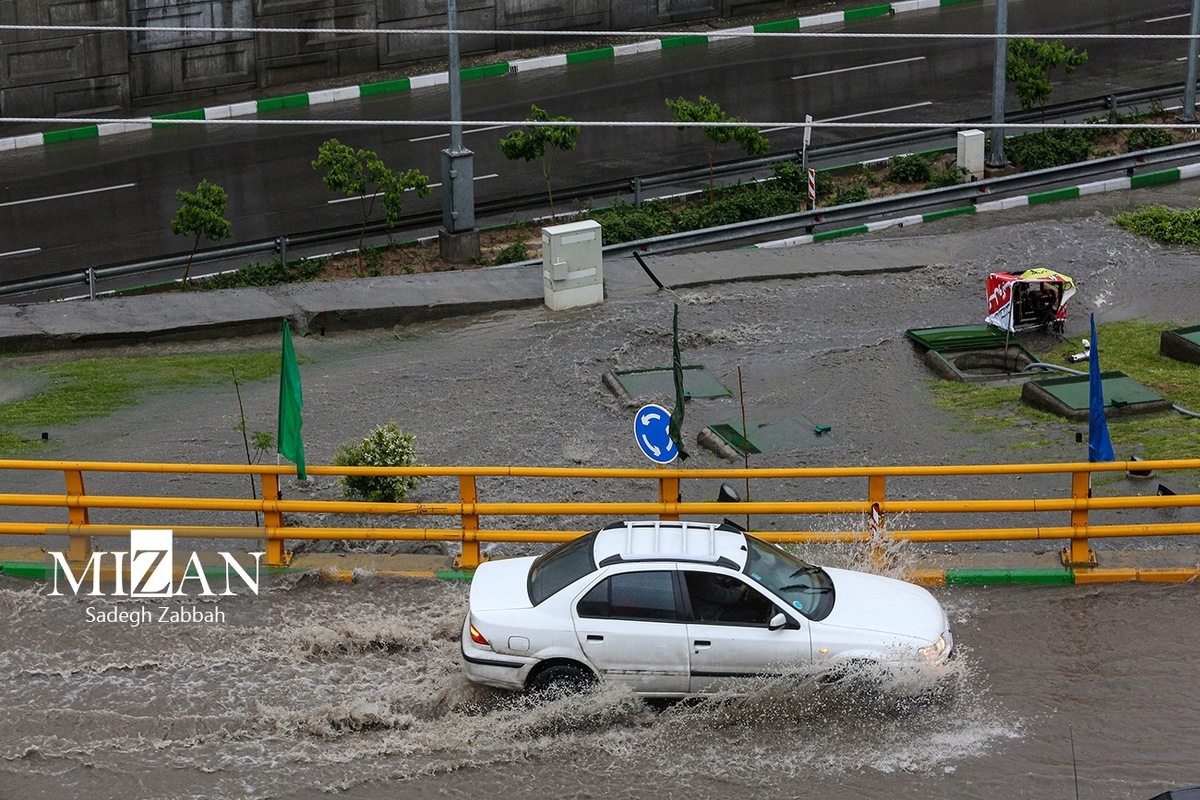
(988, 189)
(867, 494)
(635, 187)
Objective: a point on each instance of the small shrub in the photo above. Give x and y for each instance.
(370, 263)
(790, 177)
(1147, 139)
(517, 251)
(625, 222)
(953, 175)
(1050, 148)
(272, 273)
(908, 169)
(854, 193)
(386, 446)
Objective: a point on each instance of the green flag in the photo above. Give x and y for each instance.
(676, 429)
(291, 400)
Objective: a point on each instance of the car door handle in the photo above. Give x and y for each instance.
(703, 643)
(595, 638)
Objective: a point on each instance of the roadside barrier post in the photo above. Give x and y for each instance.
(80, 546)
(468, 494)
(668, 493)
(1079, 554)
(277, 556)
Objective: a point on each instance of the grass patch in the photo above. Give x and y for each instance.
(1132, 348)
(95, 387)
(1161, 224)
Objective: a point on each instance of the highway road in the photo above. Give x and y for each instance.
(104, 201)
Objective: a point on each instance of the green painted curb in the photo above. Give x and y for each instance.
(1154, 178)
(683, 41)
(868, 11)
(384, 87)
(23, 570)
(71, 134)
(287, 101)
(41, 571)
(986, 577)
(485, 71)
(957, 2)
(195, 114)
(778, 26)
(1054, 195)
(454, 575)
(949, 212)
(598, 54)
(839, 233)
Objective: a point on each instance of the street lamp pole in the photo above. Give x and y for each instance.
(458, 239)
(999, 85)
(1189, 91)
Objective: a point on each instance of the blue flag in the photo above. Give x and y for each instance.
(1099, 445)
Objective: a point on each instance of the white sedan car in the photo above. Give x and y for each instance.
(679, 608)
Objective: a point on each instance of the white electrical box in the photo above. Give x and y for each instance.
(572, 266)
(970, 153)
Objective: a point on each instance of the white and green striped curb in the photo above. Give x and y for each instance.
(252, 107)
(1050, 196)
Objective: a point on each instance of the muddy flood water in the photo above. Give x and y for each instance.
(327, 689)
(355, 689)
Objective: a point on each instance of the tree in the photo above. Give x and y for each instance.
(540, 141)
(1029, 65)
(201, 215)
(705, 110)
(362, 174)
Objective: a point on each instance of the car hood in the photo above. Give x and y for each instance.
(501, 584)
(874, 603)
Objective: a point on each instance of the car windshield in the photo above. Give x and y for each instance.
(803, 586)
(561, 567)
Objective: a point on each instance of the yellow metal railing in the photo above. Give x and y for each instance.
(1067, 489)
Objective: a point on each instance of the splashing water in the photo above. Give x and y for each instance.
(350, 683)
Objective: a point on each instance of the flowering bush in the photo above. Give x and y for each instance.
(386, 446)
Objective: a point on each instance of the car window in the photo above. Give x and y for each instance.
(632, 595)
(561, 567)
(803, 586)
(722, 599)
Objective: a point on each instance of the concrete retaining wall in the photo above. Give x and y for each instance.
(71, 74)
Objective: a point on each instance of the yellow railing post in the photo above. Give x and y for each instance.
(876, 523)
(1079, 554)
(80, 545)
(469, 495)
(668, 492)
(277, 556)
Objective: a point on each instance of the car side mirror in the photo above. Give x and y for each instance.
(778, 621)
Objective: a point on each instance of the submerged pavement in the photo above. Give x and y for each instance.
(328, 306)
(320, 307)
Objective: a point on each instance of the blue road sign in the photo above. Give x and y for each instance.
(652, 429)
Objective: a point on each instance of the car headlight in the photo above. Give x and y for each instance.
(935, 651)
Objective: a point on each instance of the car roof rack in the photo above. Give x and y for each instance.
(720, 561)
(671, 540)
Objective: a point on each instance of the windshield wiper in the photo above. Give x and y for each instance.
(817, 589)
